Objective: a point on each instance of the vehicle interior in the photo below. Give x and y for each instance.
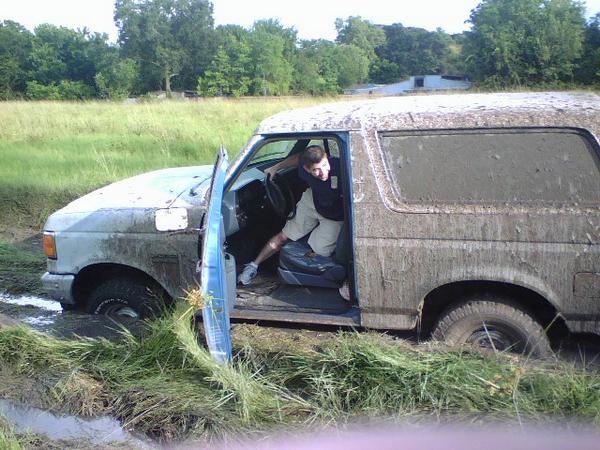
(296, 279)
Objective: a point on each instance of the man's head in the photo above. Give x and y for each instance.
(314, 159)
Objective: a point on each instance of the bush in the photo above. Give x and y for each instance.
(65, 90)
(39, 91)
(75, 90)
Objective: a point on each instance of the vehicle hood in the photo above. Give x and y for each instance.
(158, 189)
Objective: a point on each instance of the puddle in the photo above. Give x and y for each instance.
(27, 300)
(98, 431)
(47, 316)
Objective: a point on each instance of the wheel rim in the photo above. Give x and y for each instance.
(118, 309)
(496, 337)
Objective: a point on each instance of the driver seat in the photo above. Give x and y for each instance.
(299, 265)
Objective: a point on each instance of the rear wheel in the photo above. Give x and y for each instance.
(127, 298)
(493, 324)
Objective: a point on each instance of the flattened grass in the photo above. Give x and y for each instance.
(166, 385)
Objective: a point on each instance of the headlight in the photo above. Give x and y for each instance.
(49, 244)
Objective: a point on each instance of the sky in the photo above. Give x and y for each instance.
(312, 19)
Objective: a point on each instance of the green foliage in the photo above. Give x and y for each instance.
(589, 66)
(8, 440)
(15, 47)
(117, 81)
(229, 71)
(172, 44)
(170, 40)
(413, 51)
(360, 33)
(64, 90)
(351, 63)
(523, 42)
(271, 49)
(39, 91)
(315, 70)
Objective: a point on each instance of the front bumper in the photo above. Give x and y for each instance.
(59, 287)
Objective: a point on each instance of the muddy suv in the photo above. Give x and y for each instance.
(474, 218)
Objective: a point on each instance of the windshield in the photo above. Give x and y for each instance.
(273, 151)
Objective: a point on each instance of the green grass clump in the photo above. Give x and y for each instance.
(166, 385)
(53, 152)
(8, 440)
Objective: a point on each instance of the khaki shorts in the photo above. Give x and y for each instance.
(324, 231)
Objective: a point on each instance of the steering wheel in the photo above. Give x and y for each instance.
(280, 197)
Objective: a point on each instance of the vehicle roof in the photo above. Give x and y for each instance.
(442, 111)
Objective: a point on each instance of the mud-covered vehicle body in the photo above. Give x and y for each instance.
(473, 217)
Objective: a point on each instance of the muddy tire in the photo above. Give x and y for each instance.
(126, 297)
(497, 325)
(69, 306)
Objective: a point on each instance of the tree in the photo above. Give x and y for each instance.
(360, 33)
(117, 79)
(351, 65)
(167, 38)
(315, 71)
(588, 71)
(272, 49)
(61, 56)
(522, 42)
(412, 51)
(15, 48)
(229, 71)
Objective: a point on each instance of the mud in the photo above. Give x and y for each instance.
(47, 316)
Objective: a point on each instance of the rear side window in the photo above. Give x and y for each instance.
(538, 166)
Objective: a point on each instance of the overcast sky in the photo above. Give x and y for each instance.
(312, 19)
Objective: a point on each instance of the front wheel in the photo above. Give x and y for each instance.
(494, 325)
(126, 298)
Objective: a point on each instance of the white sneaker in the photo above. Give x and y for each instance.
(248, 274)
(345, 291)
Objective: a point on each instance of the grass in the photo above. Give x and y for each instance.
(21, 269)
(8, 440)
(165, 383)
(53, 152)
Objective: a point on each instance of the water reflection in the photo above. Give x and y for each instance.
(98, 431)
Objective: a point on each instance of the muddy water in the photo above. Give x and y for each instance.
(47, 316)
(101, 430)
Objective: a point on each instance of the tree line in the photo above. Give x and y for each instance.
(174, 45)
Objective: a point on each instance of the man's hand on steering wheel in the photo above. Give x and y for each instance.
(271, 171)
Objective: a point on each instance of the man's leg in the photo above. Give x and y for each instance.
(324, 237)
(272, 246)
(304, 221)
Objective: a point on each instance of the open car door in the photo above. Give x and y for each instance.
(214, 268)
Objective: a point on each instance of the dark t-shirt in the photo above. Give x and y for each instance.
(327, 195)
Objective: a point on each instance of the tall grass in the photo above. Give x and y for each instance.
(52, 152)
(165, 383)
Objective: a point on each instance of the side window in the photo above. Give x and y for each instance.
(537, 166)
(331, 145)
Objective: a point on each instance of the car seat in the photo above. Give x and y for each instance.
(299, 265)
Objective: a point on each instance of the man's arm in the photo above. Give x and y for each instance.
(290, 161)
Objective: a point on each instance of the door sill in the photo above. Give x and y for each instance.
(349, 318)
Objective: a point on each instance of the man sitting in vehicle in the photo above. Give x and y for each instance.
(320, 211)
